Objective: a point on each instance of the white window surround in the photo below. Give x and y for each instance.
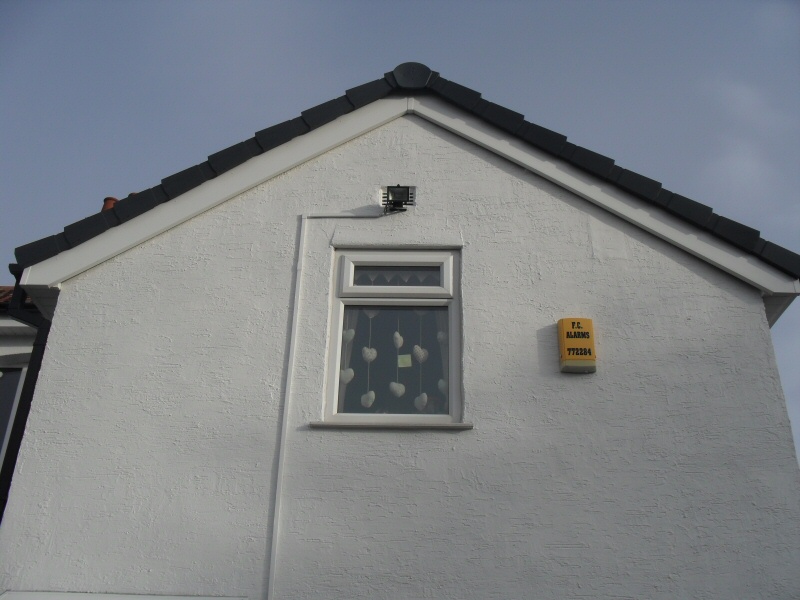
(347, 294)
(353, 259)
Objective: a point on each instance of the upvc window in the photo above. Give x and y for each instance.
(395, 340)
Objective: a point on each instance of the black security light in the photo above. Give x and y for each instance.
(397, 197)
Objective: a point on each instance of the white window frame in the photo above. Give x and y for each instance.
(345, 293)
(351, 260)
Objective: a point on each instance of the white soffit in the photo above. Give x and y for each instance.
(53, 271)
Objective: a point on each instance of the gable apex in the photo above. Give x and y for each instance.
(408, 81)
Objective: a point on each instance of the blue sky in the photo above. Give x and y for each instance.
(106, 98)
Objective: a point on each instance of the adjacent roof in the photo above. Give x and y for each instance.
(416, 79)
(5, 294)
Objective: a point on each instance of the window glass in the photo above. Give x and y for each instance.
(399, 276)
(394, 360)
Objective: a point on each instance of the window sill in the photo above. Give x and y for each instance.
(387, 425)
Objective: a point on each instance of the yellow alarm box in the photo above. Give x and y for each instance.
(576, 349)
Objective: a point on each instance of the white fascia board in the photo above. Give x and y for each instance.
(53, 271)
(652, 219)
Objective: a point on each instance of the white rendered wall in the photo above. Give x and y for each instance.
(149, 462)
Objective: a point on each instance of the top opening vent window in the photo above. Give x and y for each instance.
(397, 274)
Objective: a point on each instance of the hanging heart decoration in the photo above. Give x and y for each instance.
(397, 389)
(346, 375)
(398, 340)
(421, 401)
(369, 354)
(420, 354)
(368, 399)
(441, 337)
(348, 335)
(370, 312)
(442, 386)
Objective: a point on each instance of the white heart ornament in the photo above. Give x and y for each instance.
(367, 399)
(420, 354)
(442, 386)
(348, 335)
(421, 401)
(369, 354)
(441, 337)
(346, 375)
(398, 340)
(397, 389)
(370, 312)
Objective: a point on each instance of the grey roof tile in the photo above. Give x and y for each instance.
(232, 157)
(279, 134)
(780, 257)
(367, 93)
(737, 234)
(326, 112)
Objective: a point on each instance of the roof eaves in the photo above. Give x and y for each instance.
(188, 179)
(279, 134)
(35, 252)
(739, 235)
(457, 94)
(543, 138)
(689, 210)
(91, 226)
(235, 155)
(638, 185)
(499, 116)
(326, 112)
(780, 257)
(139, 203)
(590, 161)
(368, 93)
(415, 78)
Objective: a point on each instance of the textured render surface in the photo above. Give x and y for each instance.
(150, 458)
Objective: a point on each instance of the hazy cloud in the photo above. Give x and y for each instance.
(749, 107)
(778, 23)
(741, 168)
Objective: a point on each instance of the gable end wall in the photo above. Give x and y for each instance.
(151, 457)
